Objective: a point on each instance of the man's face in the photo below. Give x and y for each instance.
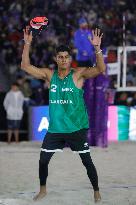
(63, 60)
(84, 26)
(15, 88)
(20, 81)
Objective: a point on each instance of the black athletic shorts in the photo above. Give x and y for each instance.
(55, 142)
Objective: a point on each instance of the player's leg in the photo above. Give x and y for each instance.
(92, 173)
(43, 166)
(78, 143)
(90, 168)
(43, 173)
(52, 143)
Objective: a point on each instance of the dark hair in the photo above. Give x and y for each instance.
(15, 84)
(63, 48)
(20, 77)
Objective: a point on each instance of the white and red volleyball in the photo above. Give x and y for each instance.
(39, 22)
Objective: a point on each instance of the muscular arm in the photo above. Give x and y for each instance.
(43, 73)
(90, 72)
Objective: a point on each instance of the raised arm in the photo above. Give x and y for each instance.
(42, 73)
(90, 72)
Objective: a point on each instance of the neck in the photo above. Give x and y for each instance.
(63, 72)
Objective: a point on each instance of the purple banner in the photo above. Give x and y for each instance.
(97, 106)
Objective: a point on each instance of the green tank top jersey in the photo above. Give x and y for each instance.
(67, 109)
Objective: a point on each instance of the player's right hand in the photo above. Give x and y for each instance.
(27, 35)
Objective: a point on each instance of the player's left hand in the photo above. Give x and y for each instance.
(96, 39)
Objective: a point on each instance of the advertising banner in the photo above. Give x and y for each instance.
(112, 123)
(123, 122)
(38, 122)
(132, 124)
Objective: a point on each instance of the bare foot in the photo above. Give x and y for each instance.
(42, 193)
(97, 196)
(39, 196)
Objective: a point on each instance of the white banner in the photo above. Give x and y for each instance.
(112, 68)
(132, 124)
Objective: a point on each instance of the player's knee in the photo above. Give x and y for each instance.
(87, 161)
(44, 159)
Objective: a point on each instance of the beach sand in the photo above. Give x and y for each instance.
(67, 183)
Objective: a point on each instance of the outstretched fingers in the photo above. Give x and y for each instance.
(101, 35)
(97, 33)
(26, 30)
(93, 32)
(27, 34)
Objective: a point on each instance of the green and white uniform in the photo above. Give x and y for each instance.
(68, 125)
(67, 109)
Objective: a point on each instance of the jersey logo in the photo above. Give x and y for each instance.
(67, 89)
(53, 88)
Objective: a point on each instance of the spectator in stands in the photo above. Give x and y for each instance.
(85, 52)
(122, 99)
(133, 102)
(38, 96)
(26, 89)
(63, 20)
(129, 83)
(46, 93)
(129, 101)
(13, 104)
(108, 14)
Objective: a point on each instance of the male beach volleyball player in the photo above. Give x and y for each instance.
(68, 116)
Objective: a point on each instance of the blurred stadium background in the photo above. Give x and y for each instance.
(116, 18)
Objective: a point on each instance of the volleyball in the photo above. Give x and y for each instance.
(37, 24)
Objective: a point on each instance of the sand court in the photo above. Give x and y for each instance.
(67, 183)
